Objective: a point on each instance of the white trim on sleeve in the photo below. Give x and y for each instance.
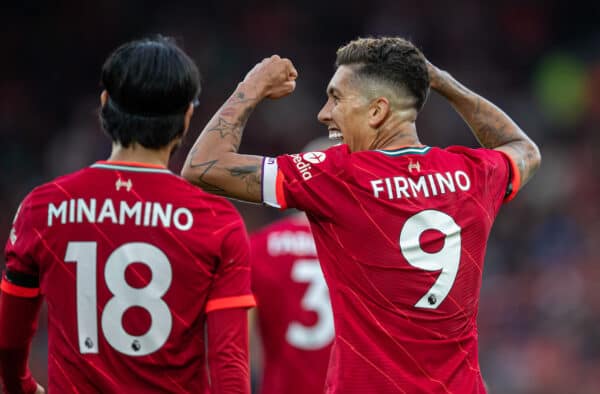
(269, 182)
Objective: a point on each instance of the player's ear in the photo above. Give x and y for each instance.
(378, 111)
(103, 98)
(188, 117)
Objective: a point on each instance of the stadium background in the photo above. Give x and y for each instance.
(538, 60)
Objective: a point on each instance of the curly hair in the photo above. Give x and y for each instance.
(392, 60)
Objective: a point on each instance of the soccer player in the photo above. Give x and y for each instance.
(400, 227)
(134, 262)
(294, 317)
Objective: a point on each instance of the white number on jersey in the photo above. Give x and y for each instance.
(446, 259)
(124, 297)
(316, 299)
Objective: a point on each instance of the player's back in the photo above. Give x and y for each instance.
(127, 258)
(401, 237)
(413, 273)
(294, 311)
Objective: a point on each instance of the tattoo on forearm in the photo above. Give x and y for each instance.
(249, 174)
(222, 136)
(490, 125)
(233, 128)
(225, 129)
(206, 166)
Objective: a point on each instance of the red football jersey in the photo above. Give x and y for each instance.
(401, 237)
(129, 258)
(294, 311)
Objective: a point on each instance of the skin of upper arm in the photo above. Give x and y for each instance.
(525, 155)
(230, 174)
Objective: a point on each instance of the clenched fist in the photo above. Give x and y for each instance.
(273, 77)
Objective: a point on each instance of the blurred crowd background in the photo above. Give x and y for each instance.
(538, 60)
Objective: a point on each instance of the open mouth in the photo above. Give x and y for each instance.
(335, 135)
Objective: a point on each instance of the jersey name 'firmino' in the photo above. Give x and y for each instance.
(147, 214)
(429, 185)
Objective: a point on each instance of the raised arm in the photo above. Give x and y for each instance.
(213, 163)
(490, 125)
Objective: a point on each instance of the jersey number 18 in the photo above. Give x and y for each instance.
(124, 297)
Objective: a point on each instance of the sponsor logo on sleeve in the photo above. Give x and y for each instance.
(303, 162)
(314, 157)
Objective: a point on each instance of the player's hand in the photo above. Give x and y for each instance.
(436, 76)
(40, 389)
(274, 77)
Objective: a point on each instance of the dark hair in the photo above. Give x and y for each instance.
(393, 60)
(150, 83)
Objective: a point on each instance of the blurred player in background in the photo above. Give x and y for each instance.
(132, 261)
(294, 317)
(400, 228)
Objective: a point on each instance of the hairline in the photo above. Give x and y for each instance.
(381, 87)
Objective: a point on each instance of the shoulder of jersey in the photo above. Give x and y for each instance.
(459, 149)
(331, 157)
(326, 155)
(338, 150)
(62, 179)
(187, 189)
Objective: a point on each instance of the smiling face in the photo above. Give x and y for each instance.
(346, 112)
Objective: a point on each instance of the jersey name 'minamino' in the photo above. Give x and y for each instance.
(429, 185)
(147, 214)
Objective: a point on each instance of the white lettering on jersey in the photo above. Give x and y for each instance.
(148, 214)
(423, 186)
(299, 243)
(302, 166)
(107, 211)
(54, 212)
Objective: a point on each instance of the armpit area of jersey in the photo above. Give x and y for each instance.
(20, 284)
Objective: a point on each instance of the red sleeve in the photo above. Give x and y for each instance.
(499, 176)
(514, 178)
(21, 278)
(18, 323)
(228, 358)
(306, 180)
(231, 286)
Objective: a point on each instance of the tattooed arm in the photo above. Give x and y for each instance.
(213, 163)
(490, 125)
